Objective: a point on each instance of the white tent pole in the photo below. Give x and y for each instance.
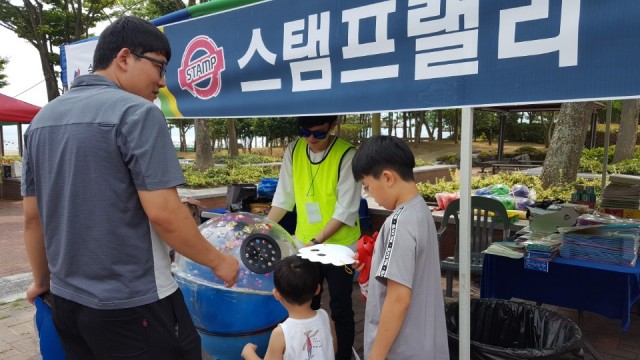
(464, 294)
(605, 160)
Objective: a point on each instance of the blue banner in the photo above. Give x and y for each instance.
(284, 57)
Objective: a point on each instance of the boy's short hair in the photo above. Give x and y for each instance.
(129, 32)
(296, 279)
(381, 153)
(306, 122)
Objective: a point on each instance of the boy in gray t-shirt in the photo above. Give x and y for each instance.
(404, 316)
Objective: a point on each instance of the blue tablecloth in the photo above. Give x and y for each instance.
(608, 290)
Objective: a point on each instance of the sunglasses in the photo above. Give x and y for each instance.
(163, 65)
(316, 134)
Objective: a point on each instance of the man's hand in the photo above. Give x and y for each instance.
(227, 269)
(33, 291)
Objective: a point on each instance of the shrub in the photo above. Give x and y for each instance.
(629, 167)
(352, 132)
(450, 158)
(244, 159)
(534, 153)
(486, 155)
(9, 159)
(420, 162)
(591, 161)
(232, 173)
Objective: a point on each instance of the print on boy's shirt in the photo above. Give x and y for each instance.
(311, 342)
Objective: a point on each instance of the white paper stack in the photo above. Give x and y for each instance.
(623, 192)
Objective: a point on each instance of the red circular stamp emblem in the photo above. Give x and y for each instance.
(202, 63)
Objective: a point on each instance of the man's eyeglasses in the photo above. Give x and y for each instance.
(163, 65)
(316, 134)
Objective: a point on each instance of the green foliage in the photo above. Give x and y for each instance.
(3, 76)
(523, 132)
(244, 159)
(245, 130)
(149, 9)
(420, 162)
(352, 132)
(590, 166)
(232, 173)
(277, 131)
(597, 153)
(429, 191)
(450, 158)
(534, 153)
(238, 169)
(48, 24)
(629, 167)
(486, 125)
(486, 155)
(591, 161)
(9, 159)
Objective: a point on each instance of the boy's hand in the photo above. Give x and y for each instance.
(248, 350)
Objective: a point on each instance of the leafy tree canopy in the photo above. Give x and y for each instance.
(3, 76)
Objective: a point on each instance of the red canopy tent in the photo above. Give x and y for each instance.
(14, 111)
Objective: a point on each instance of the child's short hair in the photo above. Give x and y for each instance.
(296, 279)
(307, 122)
(381, 153)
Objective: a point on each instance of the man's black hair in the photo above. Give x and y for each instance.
(296, 279)
(307, 122)
(381, 153)
(129, 32)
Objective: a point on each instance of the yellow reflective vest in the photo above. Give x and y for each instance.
(317, 183)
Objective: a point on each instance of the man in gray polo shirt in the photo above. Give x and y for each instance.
(100, 206)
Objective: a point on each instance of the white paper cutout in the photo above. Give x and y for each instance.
(328, 254)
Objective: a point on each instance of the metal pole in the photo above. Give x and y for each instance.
(503, 120)
(464, 294)
(605, 160)
(594, 129)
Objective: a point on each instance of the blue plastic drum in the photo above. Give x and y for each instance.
(229, 318)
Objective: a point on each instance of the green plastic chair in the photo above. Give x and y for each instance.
(482, 228)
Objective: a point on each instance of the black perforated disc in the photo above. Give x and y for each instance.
(260, 253)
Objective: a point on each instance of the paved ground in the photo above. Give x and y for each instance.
(18, 340)
(13, 259)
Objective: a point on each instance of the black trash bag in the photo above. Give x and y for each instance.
(502, 329)
(237, 196)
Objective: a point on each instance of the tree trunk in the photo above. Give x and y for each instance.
(548, 125)
(418, 126)
(204, 151)
(456, 122)
(233, 138)
(563, 158)
(404, 124)
(375, 124)
(628, 131)
(439, 124)
(40, 42)
(183, 136)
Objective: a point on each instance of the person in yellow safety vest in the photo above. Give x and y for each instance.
(316, 178)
